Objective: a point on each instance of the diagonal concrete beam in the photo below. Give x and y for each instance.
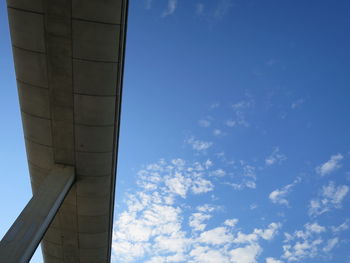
(20, 242)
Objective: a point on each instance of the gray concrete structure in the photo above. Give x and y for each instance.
(68, 58)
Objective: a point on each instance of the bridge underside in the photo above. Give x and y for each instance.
(68, 57)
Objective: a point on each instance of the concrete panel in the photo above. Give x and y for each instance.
(93, 164)
(97, 255)
(94, 110)
(95, 41)
(107, 11)
(52, 249)
(37, 129)
(37, 176)
(93, 224)
(71, 197)
(63, 140)
(56, 222)
(48, 258)
(93, 186)
(97, 240)
(53, 235)
(68, 217)
(93, 206)
(70, 245)
(34, 100)
(33, 5)
(39, 155)
(27, 30)
(95, 78)
(94, 139)
(30, 67)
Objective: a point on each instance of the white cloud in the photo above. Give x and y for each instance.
(230, 123)
(151, 228)
(199, 145)
(331, 243)
(196, 221)
(172, 4)
(331, 165)
(266, 234)
(305, 243)
(275, 157)
(231, 222)
(201, 185)
(273, 260)
(204, 123)
(217, 132)
(330, 198)
(216, 236)
(247, 254)
(278, 196)
(204, 254)
(218, 173)
(342, 227)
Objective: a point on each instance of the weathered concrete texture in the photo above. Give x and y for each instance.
(68, 58)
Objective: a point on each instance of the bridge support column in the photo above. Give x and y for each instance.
(21, 240)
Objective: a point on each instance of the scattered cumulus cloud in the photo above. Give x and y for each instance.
(303, 244)
(331, 197)
(331, 165)
(278, 196)
(172, 4)
(152, 228)
(275, 157)
(198, 145)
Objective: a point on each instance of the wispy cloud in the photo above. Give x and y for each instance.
(275, 157)
(172, 4)
(230, 123)
(198, 145)
(331, 243)
(331, 197)
(223, 8)
(331, 165)
(342, 227)
(199, 8)
(204, 123)
(278, 196)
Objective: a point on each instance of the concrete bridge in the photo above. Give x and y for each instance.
(68, 57)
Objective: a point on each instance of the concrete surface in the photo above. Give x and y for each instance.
(68, 58)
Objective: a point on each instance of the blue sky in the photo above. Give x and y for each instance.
(234, 141)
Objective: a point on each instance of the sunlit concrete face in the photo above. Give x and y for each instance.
(68, 59)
